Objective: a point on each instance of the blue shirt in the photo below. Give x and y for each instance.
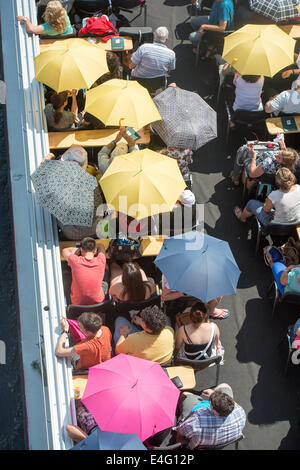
(222, 11)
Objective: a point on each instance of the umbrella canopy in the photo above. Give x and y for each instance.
(187, 120)
(131, 395)
(122, 99)
(276, 10)
(259, 50)
(70, 64)
(199, 265)
(66, 191)
(103, 440)
(142, 183)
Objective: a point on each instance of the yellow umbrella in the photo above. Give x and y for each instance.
(122, 99)
(259, 50)
(70, 64)
(142, 183)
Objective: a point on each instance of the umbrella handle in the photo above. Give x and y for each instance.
(122, 119)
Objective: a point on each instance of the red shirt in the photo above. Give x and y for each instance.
(94, 351)
(87, 277)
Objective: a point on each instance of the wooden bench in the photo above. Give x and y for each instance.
(90, 138)
(293, 30)
(128, 45)
(274, 125)
(149, 246)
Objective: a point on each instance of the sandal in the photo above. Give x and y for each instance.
(237, 212)
(220, 316)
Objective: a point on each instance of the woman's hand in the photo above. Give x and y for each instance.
(64, 324)
(22, 18)
(137, 320)
(286, 73)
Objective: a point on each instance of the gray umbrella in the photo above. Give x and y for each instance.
(66, 191)
(276, 10)
(188, 122)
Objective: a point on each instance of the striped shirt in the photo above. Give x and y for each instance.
(204, 428)
(153, 60)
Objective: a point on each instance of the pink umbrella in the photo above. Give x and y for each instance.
(131, 395)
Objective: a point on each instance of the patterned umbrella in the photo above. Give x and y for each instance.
(187, 120)
(66, 191)
(276, 10)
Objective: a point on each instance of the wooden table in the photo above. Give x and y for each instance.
(149, 247)
(128, 45)
(292, 30)
(186, 375)
(90, 138)
(274, 125)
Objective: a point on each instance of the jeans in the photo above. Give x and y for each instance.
(256, 207)
(277, 270)
(196, 23)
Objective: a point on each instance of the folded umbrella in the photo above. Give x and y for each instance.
(142, 183)
(131, 395)
(70, 64)
(103, 440)
(198, 265)
(276, 10)
(121, 99)
(67, 191)
(188, 122)
(259, 50)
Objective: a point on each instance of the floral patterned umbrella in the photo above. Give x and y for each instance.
(67, 191)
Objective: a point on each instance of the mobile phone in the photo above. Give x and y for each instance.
(132, 133)
(176, 381)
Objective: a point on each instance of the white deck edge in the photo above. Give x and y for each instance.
(49, 402)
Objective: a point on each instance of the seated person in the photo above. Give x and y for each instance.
(109, 151)
(219, 20)
(199, 339)
(57, 117)
(86, 423)
(130, 283)
(56, 23)
(87, 264)
(287, 278)
(156, 340)
(169, 294)
(248, 89)
(77, 154)
(151, 61)
(267, 162)
(213, 420)
(287, 102)
(93, 349)
(281, 206)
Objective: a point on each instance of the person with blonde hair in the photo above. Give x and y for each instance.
(56, 21)
(281, 206)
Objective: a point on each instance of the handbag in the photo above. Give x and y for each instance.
(124, 249)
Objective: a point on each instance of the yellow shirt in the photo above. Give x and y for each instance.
(157, 348)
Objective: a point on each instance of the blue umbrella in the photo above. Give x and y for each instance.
(104, 440)
(198, 265)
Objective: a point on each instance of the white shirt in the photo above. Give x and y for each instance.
(153, 60)
(247, 95)
(287, 205)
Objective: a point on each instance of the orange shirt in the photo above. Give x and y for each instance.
(94, 351)
(87, 277)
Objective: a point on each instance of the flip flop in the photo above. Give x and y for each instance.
(221, 316)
